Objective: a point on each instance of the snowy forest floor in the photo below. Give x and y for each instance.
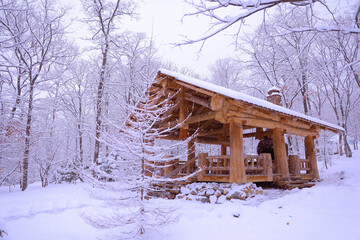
(330, 210)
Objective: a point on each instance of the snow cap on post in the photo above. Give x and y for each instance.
(274, 96)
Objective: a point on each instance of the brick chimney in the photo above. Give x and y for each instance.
(274, 96)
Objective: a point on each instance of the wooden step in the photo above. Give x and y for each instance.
(304, 185)
(285, 182)
(291, 184)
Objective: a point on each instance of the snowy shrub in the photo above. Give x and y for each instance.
(67, 172)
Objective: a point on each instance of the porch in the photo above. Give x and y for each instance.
(258, 168)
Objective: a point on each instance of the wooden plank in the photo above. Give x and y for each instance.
(280, 160)
(257, 178)
(310, 153)
(237, 168)
(207, 178)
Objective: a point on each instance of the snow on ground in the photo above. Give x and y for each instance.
(330, 210)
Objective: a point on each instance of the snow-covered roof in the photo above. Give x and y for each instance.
(246, 98)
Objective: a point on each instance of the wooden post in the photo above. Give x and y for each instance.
(191, 155)
(268, 169)
(182, 115)
(172, 165)
(223, 149)
(280, 153)
(310, 154)
(294, 165)
(237, 168)
(202, 165)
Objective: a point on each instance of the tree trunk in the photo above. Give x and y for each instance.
(99, 99)
(27, 138)
(340, 145)
(79, 125)
(347, 148)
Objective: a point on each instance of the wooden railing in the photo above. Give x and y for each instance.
(259, 165)
(256, 167)
(179, 169)
(217, 168)
(298, 167)
(216, 165)
(304, 166)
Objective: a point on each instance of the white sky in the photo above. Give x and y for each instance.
(163, 18)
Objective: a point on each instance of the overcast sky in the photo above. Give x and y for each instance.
(162, 18)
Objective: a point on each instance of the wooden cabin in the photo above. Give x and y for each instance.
(225, 117)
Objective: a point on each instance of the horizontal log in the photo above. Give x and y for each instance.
(210, 133)
(200, 118)
(197, 100)
(217, 168)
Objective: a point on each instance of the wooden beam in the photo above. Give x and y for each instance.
(182, 115)
(257, 135)
(237, 168)
(270, 124)
(200, 118)
(213, 132)
(198, 100)
(192, 87)
(281, 163)
(214, 141)
(310, 153)
(191, 154)
(217, 102)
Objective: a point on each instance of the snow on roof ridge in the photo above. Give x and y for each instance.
(274, 88)
(245, 98)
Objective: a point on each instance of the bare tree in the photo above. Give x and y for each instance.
(137, 64)
(37, 46)
(102, 16)
(141, 159)
(228, 13)
(229, 73)
(333, 51)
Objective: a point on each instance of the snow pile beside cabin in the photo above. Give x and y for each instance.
(218, 192)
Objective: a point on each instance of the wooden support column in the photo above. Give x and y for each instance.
(223, 138)
(223, 149)
(280, 160)
(182, 115)
(294, 165)
(202, 165)
(191, 154)
(310, 153)
(237, 168)
(267, 163)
